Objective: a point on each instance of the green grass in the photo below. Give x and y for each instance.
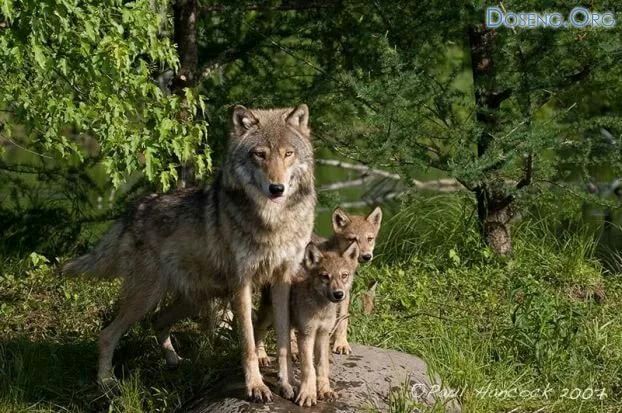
(549, 316)
(48, 350)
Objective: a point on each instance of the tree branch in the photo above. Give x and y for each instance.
(527, 174)
(439, 185)
(360, 168)
(185, 36)
(345, 184)
(374, 201)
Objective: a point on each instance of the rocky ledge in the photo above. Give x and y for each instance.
(362, 380)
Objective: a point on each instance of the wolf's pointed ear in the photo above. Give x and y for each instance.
(375, 217)
(299, 117)
(243, 119)
(313, 256)
(340, 220)
(352, 252)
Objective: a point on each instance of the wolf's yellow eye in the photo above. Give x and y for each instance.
(325, 276)
(259, 154)
(370, 239)
(345, 275)
(289, 153)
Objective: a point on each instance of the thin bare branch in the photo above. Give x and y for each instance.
(368, 202)
(345, 184)
(360, 168)
(439, 185)
(24, 148)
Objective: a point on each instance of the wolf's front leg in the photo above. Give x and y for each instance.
(242, 308)
(280, 305)
(341, 345)
(322, 350)
(307, 394)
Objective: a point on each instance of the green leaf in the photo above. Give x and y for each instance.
(38, 55)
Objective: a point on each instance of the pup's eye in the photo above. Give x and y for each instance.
(352, 239)
(289, 153)
(345, 276)
(370, 239)
(325, 276)
(259, 154)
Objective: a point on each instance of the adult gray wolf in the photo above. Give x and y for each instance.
(250, 227)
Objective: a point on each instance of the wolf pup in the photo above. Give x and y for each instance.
(249, 227)
(326, 281)
(346, 229)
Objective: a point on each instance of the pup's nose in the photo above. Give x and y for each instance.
(338, 294)
(276, 189)
(366, 257)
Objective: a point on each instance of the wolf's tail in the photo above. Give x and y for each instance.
(102, 261)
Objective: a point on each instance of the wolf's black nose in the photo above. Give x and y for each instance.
(276, 189)
(366, 257)
(338, 294)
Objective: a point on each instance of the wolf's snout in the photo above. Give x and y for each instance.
(276, 189)
(366, 257)
(338, 295)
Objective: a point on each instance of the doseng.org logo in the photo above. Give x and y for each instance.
(578, 17)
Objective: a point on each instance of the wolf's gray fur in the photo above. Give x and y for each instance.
(250, 227)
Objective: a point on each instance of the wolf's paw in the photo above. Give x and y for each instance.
(326, 394)
(286, 390)
(262, 357)
(107, 381)
(173, 361)
(342, 347)
(264, 361)
(258, 392)
(307, 396)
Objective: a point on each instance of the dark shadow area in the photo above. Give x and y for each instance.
(63, 375)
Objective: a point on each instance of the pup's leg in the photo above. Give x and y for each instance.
(341, 345)
(177, 310)
(264, 321)
(322, 350)
(242, 310)
(280, 304)
(307, 395)
(136, 302)
(293, 343)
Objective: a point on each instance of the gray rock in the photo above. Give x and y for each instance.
(362, 381)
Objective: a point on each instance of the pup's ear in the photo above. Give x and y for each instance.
(375, 217)
(352, 252)
(340, 220)
(243, 119)
(313, 256)
(299, 117)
